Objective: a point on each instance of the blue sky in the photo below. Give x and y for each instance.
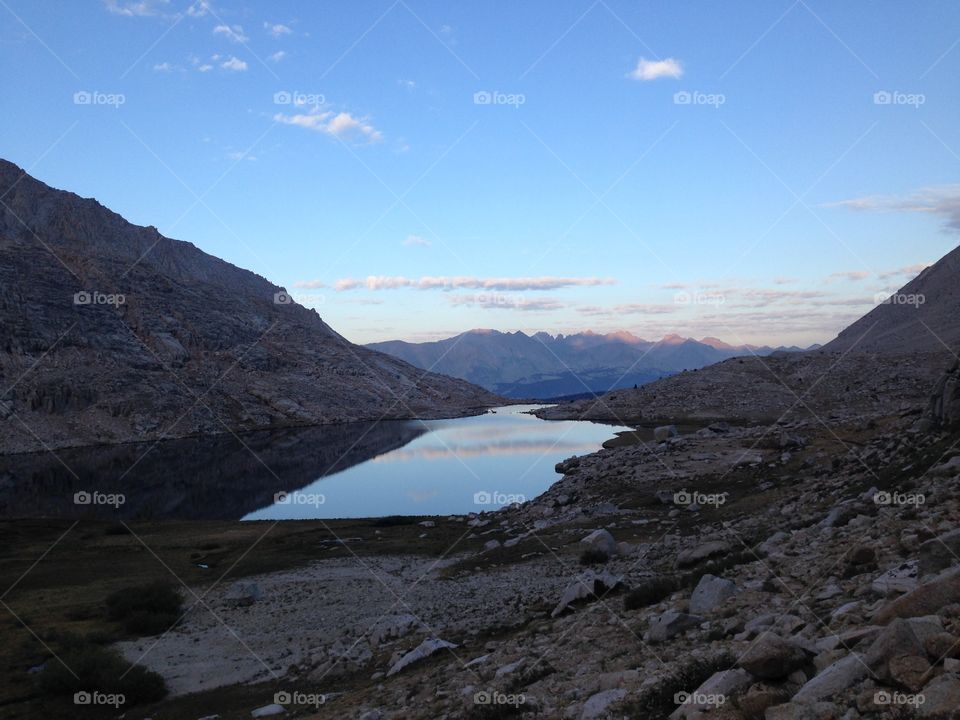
(756, 171)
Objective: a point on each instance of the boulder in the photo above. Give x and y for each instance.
(944, 409)
(710, 593)
(833, 679)
(910, 672)
(665, 432)
(926, 599)
(724, 684)
(590, 584)
(601, 540)
(670, 624)
(713, 548)
(941, 698)
(754, 703)
(939, 553)
(598, 704)
(772, 657)
(425, 649)
(895, 640)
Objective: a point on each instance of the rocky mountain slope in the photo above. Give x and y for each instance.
(544, 366)
(923, 316)
(111, 332)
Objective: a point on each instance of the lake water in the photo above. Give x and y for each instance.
(432, 467)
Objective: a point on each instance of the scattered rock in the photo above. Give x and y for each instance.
(710, 593)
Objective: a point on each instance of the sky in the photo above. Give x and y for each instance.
(762, 172)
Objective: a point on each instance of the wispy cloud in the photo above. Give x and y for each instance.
(626, 309)
(343, 125)
(416, 241)
(234, 33)
(136, 8)
(499, 301)
(277, 29)
(380, 282)
(852, 275)
(907, 270)
(656, 69)
(942, 200)
(278, 56)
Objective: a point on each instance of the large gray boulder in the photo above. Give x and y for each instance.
(710, 593)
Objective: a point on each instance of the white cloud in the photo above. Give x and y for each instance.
(278, 56)
(233, 33)
(343, 125)
(943, 200)
(375, 282)
(135, 8)
(655, 69)
(205, 67)
(235, 64)
(164, 67)
(277, 29)
(416, 240)
(199, 9)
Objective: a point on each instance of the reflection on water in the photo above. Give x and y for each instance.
(457, 466)
(349, 470)
(219, 477)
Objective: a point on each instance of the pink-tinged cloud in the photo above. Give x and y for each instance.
(381, 282)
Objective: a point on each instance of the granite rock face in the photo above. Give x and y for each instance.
(112, 332)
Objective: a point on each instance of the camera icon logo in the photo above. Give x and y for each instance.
(882, 97)
(82, 298)
(282, 698)
(281, 498)
(82, 698)
(683, 97)
(682, 498)
(82, 498)
(482, 697)
(482, 97)
(482, 498)
(883, 498)
(82, 97)
(282, 97)
(282, 298)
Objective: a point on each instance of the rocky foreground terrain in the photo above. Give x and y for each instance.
(110, 332)
(807, 568)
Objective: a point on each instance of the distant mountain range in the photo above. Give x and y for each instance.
(546, 366)
(111, 332)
